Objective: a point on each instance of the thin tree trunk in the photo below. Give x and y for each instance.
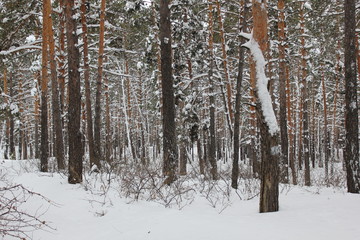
(212, 141)
(89, 120)
(61, 58)
(229, 114)
(74, 108)
(305, 103)
(36, 115)
(284, 175)
(97, 122)
(291, 129)
(239, 80)
(326, 137)
(56, 111)
(107, 123)
(44, 147)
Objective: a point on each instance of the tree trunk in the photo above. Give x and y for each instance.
(44, 147)
(269, 130)
(351, 104)
(97, 122)
(169, 127)
(305, 101)
(326, 137)
(229, 114)
(212, 141)
(291, 127)
(74, 108)
(89, 120)
(56, 111)
(284, 175)
(239, 80)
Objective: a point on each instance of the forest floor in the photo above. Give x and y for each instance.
(84, 213)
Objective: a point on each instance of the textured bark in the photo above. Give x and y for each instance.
(74, 108)
(284, 175)
(56, 111)
(89, 120)
(269, 188)
(97, 121)
(351, 104)
(239, 80)
(44, 148)
(169, 127)
(211, 154)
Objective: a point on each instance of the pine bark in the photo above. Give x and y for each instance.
(74, 108)
(169, 127)
(269, 188)
(351, 104)
(44, 147)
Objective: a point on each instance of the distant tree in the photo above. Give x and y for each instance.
(239, 81)
(97, 121)
(351, 104)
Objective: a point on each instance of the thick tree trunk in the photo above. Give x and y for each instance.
(239, 80)
(269, 130)
(169, 127)
(351, 104)
(97, 122)
(74, 114)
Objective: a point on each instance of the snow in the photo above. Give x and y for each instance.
(305, 213)
(307, 5)
(261, 84)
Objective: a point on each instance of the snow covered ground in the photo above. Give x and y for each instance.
(82, 214)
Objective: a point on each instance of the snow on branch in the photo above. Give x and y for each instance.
(261, 84)
(20, 48)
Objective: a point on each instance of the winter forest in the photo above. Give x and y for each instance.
(180, 104)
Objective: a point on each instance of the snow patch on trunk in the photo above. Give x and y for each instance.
(261, 84)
